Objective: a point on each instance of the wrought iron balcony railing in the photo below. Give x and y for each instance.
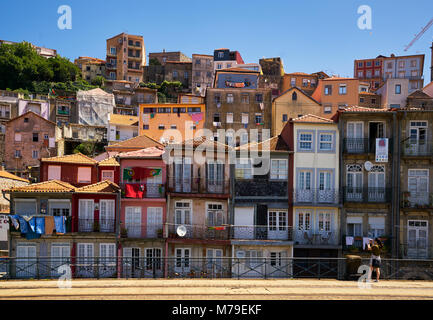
(367, 194)
(262, 232)
(417, 149)
(196, 231)
(316, 196)
(261, 188)
(91, 225)
(142, 190)
(198, 185)
(413, 199)
(362, 145)
(142, 231)
(317, 237)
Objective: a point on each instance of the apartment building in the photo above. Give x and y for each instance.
(126, 58)
(91, 67)
(202, 73)
(224, 58)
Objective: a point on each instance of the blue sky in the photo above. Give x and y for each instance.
(308, 35)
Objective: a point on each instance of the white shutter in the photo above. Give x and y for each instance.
(54, 172)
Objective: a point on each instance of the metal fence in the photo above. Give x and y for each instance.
(211, 268)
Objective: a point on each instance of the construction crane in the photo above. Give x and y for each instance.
(419, 34)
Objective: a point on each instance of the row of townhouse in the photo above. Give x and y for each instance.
(321, 188)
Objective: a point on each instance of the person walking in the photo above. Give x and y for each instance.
(375, 257)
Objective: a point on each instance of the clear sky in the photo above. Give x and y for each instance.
(309, 35)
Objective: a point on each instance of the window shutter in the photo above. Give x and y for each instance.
(247, 258)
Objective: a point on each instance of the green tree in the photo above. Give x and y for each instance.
(98, 81)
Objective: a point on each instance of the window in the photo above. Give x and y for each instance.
(368, 73)
(377, 63)
(215, 214)
(304, 220)
(214, 261)
(342, 89)
(368, 63)
(354, 182)
(325, 141)
(182, 213)
(4, 111)
(229, 97)
(418, 133)
(245, 98)
(145, 127)
(397, 89)
(276, 259)
(327, 108)
(230, 117)
(229, 65)
(173, 126)
(217, 98)
(259, 97)
(361, 99)
(152, 258)
(305, 141)
(414, 85)
(35, 137)
(185, 75)
(220, 54)
(161, 127)
(373, 101)
(107, 175)
(17, 153)
(293, 82)
(377, 73)
(182, 259)
(197, 61)
(259, 118)
(354, 229)
(26, 120)
(63, 110)
(216, 117)
(401, 64)
(84, 174)
(219, 66)
(360, 74)
(376, 227)
(304, 82)
(18, 137)
(245, 117)
(175, 74)
(35, 154)
(284, 117)
(324, 221)
(243, 169)
(54, 172)
(360, 64)
(113, 50)
(294, 96)
(413, 63)
(328, 90)
(279, 169)
(197, 73)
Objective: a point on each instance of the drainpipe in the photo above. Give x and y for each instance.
(118, 231)
(340, 179)
(396, 176)
(165, 235)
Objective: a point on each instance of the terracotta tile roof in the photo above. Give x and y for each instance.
(362, 109)
(143, 153)
(368, 93)
(136, 143)
(298, 74)
(201, 141)
(32, 113)
(235, 69)
(109, 162)
(100, 187)
(105, 155)
(311, 118)
(339, 78)
(77, 158)
(273, 144)
(300, 90)
(125, 120)
(8, 175)
(46, 186)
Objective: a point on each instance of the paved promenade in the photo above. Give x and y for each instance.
(224, 289)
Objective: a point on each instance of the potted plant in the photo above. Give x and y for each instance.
(96, 226)
(159, 233)
(123, 232)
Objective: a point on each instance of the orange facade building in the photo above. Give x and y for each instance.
(171, 122)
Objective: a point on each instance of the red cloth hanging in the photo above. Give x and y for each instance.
(135, 190)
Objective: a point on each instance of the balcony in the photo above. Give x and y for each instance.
(111, 66)
(315, 196)
(418, 149)
(194, 231)
(413, 199)
(141, 231)
(91, 225)
(366, 194)
(257, 232)
(261, 188)
(198, 185)
(362, 145)
(317, 237)
(140, 190)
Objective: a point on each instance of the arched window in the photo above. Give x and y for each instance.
(294, 96)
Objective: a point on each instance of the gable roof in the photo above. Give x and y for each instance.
(8, 175)
(143, 153)
(419, 94)
(50, 186)
(311, 118)
(300, 90)
(77, 158)
(136, 143)
(109, 162)
(273, 144)
(202, 141)
(362, 109)
(100, 187)
(125, 120)
(32, 113)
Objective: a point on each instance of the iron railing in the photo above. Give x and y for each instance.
(362, 145)
(260, 188)
(215, 267)
(142, 231)
(198, 185)
(417, 149)
(262, 232)
(316, 237)
(367, 194)
(412, 199)
(91, 225)
(195, 231)
(316, 196)
(149, 190)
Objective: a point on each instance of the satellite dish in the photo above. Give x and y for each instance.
(368, 165)
(181, 231)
